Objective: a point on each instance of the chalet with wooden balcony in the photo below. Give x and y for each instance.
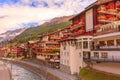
(76, 42)
(48, 48)
(32, 48)
(3, 52)
(17, 51)
(106, 34)
(93, 35)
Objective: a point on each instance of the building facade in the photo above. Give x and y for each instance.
(96, 31)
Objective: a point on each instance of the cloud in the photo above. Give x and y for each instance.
(15, 14)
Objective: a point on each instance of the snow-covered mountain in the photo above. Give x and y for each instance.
(8, 35)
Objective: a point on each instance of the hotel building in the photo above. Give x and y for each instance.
(106, 34)
(93, 36)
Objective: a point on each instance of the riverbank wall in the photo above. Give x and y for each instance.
(38, 70)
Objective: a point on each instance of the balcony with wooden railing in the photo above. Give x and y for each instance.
(108, 28)
(80, 25)
(55, 37)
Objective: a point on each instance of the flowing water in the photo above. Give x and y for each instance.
(19, 73)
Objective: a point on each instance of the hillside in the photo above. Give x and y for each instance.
(33, 32)
(58, 20)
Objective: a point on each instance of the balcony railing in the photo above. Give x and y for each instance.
(77, 26)
(55, 37)
(108, 59)
(108, 28)
(114, 47)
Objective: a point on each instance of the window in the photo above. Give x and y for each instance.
(102, 43)
(90, 38)
(80, 45)
(110, 42)
(80, 39)
(118, 41)
(80, 54)
(73, 43)
(90, 44)
(64, 61)
(77, 45)
(85, 44)
(96, 54)
(64, 48)
(67, 62)
(104, 55)
(85, 38)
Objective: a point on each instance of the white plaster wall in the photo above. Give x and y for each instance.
(72, 60)
(79, 59)
(89, 20)
(75, 59)
(45, 38)
(41, 57)
(64, 55)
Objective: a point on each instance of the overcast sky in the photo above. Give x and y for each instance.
(24, 13)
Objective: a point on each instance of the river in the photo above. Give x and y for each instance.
(19, 73)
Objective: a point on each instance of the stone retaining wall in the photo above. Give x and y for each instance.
(40, 71)
(65, 69)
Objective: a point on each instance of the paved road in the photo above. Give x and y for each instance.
(56, 72)
(108, 67)
(4, 72)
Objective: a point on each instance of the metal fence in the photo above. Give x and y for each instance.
(109, 59)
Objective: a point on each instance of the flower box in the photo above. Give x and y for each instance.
(118, 4)
(101, 8)
(102, 17)
(111, 5)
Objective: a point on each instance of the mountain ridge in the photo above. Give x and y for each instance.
(32, 33)
(58, 20)
(10, 34)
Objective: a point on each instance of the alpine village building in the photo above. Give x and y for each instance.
(94, 35)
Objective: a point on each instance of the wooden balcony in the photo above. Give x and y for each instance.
(106, 32)
(108, 12)
(52, 42)
(99, 2)
(55, 37)
(108, 28)
(89, 33)
(77, 26)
